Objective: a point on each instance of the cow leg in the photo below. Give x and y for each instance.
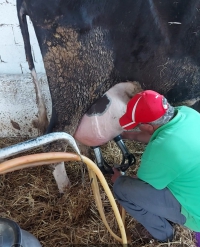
(60, 176)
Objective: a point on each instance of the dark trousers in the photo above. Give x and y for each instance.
(151, 207)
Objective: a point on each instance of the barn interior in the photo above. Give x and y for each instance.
(30, 196)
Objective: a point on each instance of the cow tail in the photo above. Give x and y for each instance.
(22, 13)
(42, 121)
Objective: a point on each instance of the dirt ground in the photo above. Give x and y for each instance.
(30, 197)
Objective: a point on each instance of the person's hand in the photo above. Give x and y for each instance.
(130, 135)
(135, 135)
(116, 174)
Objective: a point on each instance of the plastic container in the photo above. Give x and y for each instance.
(11, 235)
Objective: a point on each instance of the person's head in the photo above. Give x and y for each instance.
(148, 110)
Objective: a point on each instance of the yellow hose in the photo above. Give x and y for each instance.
(56, 157)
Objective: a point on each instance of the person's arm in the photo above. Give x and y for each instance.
(138, 136)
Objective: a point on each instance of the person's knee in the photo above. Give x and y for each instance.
(119, 186)
(128, 188)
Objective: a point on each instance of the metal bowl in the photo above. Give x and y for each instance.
(11, 235)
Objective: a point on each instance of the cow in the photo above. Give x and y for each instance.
(88, 47)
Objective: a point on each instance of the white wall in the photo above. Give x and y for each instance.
(18, 106)
(12, 55)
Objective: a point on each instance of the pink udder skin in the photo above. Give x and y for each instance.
(97, 130)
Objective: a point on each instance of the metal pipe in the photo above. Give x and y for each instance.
(37, 142)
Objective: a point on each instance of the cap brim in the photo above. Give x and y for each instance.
(126, 123)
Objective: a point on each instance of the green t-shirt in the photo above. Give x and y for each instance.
(172, 159)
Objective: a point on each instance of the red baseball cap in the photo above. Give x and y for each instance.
(144, 107)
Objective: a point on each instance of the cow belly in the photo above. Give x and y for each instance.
(101, 123)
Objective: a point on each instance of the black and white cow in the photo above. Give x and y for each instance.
(90, 46)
